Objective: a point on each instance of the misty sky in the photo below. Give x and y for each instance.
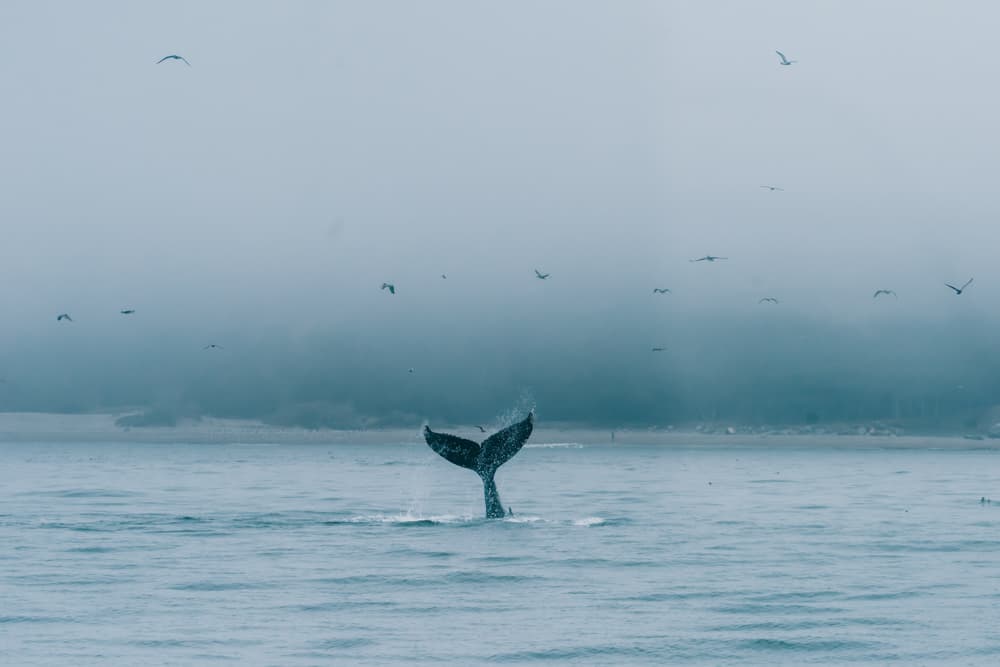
(313, 150)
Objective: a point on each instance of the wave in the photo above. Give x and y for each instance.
(33, 619)
(406, 520)
(221, 586)
(581, 653)
(589, 521)
(817, 624)
(482, 577)
(803, 645)
(82, 493)
(223, 525)
(342, 643)
(752, 608)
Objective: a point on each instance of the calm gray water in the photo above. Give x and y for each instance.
(313, 555)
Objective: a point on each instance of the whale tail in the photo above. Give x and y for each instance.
(483, 459)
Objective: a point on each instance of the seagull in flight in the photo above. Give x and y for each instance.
(659, 349)
(410, 371)
(773, 188)
(212, 346)
(64, 316)
(768, 299)
(173, 56)
(662, 290)
(540, 275)
(127, 311)
(390, 287)
(959, 290)
(444, 277)
(784, 60)
(707, 258)
(884, 291)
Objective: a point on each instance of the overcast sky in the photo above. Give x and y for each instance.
(313, 150)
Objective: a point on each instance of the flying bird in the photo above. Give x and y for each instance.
(64, 316)
(707, 258)
(444, 277)
(127, 311)
(390, 287)
(959, 290)
(662, 290)
(773, 188)
(884, 291)
(410, 371)
(540, 275)
(784, 60)
(768, 299)
(173, 57)
(659, 349)
(212, 346)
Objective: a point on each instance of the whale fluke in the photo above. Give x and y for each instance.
(483, 459)
(458, 450)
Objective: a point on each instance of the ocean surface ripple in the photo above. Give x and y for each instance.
(310, 554)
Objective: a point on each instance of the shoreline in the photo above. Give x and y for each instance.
(33, 427)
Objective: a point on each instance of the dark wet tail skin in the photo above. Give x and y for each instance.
(494, 508)
(483, 459)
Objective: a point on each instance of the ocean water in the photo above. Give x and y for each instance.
(763, 554)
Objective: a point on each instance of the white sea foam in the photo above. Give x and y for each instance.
(589, 521)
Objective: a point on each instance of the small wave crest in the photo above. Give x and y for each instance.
(216, 586)
(405, 520)
(589, 521)
(803, 645)
(31, 619)
(582, 653)
(82, 493)
(465, 577)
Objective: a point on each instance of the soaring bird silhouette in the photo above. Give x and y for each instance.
(768, 299)
(707, 258)
(658, 349)
(884, 291)
(773, 188)
(212, 346)
(127, 311)
(64, 316)
(390, 287)
(540, 275)
(662, 290)
(959, 290)
(444, 277)
(173, 57)
(784, 60)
